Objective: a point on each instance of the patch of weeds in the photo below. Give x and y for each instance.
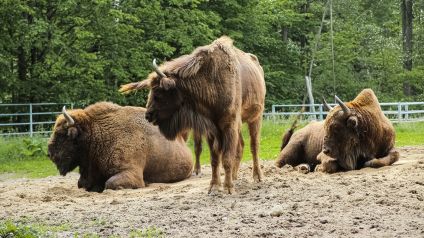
(11, 229)
(77, 235)
(33, 148)
(148, 232)
(23, 229)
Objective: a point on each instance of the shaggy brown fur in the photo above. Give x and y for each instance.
(115, 148)
(303, 146)
(249, 98)
(211, 91)
(360, 137)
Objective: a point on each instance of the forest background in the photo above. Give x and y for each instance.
(81, 51)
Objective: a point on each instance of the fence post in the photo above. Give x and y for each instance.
(321, 115)
(273, 113)
(399, 111)
(30, 120)
(406, 112)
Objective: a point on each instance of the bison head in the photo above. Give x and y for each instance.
(64, 148)
(164, 103)
(342, 135)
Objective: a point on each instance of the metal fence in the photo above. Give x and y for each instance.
(396, 111)
(29, 119)
(39, 118)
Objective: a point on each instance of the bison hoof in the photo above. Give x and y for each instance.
(304, 168)
(197, 171)
(319, 168)
(231, 191)
(214, 189)
(197, 174)
(257, 177)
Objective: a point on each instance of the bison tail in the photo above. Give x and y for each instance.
(131, 87)
(128, 88)
(286, 138)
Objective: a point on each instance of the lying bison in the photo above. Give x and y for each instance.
(116, 148)
(302, 146)
(357, 134)
(211, 91)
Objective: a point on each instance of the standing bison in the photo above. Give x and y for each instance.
(357, 134)
(115, 148)
(211, 91)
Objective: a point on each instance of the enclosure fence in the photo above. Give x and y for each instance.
(395, 111)
(29, 118)
(38, 118)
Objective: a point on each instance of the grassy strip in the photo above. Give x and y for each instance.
(407, 134)
(27, 157)
(25, 229)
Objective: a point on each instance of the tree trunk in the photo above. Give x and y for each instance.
(406, 10)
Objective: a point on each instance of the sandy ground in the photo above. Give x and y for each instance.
(385, 202)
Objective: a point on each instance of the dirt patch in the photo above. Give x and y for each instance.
(386, 202)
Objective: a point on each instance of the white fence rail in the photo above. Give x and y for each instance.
(396, 111)
(29, 119)
(39, 118)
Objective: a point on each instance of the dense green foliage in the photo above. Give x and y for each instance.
(81, 51)
(21, 157)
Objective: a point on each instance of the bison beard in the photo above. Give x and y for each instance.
(357, 134)
(116, 148)
(217, 87)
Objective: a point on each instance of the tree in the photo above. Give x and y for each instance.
(407, 28)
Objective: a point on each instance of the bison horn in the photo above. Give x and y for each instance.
(68, 117)
(342, 105)
(157, 70)
(328, 107)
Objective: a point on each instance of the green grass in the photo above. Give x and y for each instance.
(149, 232)
(272, 132)
(409, 134)
(27, 157)
(22, 229)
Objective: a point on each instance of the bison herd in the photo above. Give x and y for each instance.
(210, 92)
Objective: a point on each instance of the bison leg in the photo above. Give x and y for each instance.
(126, 179)
(197, 150)
(328, 164)
(255, 131)
(216, 176)
(292, 154)
(239, 156)
(230, 141)
(91, 186)
(391, 158)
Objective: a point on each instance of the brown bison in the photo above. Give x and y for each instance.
(115, 148)
(302, 147)
(357, 134)
(211, 91)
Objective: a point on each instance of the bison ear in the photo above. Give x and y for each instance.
(73, 132)
(167, 83)
(352, 122)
